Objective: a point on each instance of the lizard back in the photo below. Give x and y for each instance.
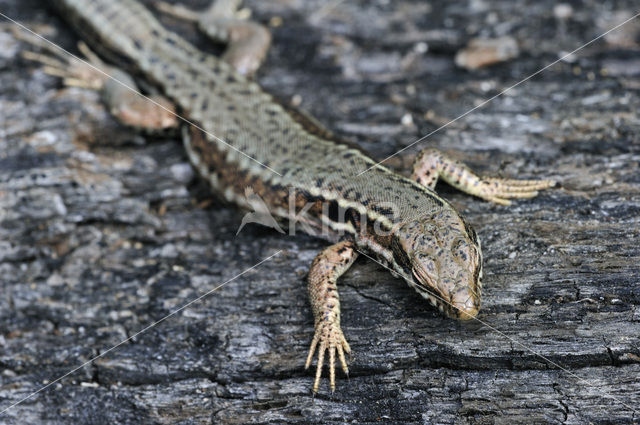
(247, 135)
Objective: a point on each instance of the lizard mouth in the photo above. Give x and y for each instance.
(461, 305)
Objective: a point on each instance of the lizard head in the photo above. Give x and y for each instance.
(439, 255)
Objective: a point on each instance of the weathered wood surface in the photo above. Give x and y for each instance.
(103, 231)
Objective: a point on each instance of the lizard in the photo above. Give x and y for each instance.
(240, 137)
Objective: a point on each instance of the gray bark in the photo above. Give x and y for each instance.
(104, 231)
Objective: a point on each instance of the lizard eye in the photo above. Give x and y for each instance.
(422, 257)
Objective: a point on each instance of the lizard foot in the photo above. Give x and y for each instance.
(223, 21)
(74, 71)
(330, 338)
(501, 190)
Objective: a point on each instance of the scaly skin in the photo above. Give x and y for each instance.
(325, 303)
(241, 136)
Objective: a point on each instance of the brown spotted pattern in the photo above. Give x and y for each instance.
(443, 254)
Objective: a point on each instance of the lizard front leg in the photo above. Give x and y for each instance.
(325, 270)
(430, 164)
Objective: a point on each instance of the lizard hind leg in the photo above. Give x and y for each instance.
(119, 91)
(431, 164)
(247, 41)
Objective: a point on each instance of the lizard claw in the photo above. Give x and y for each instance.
(330, 337)
(501, 191)
(431, 164)
(74, 71)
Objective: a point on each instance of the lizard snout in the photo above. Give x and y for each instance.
(465, 303)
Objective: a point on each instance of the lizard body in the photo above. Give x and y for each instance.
(242, 138)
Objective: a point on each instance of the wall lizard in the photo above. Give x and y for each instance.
(241, 137)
